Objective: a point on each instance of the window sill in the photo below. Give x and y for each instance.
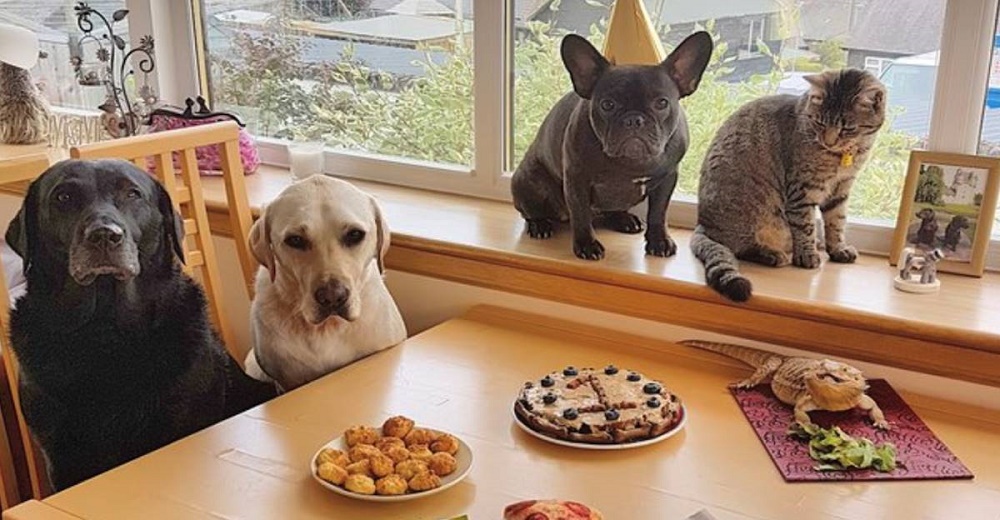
(850, 311)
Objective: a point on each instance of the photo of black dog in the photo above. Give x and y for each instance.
(117, 354)
(953, 232)
(927, 233)
(606, 146)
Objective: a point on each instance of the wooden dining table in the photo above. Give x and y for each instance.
(462, 377)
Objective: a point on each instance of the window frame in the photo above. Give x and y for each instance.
(956, 116)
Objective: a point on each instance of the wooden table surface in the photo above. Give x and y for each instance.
(462, 376)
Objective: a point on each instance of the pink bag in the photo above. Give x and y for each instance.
(209, 163)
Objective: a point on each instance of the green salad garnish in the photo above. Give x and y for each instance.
(835, 450)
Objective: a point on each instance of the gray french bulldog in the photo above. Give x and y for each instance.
(605, 147)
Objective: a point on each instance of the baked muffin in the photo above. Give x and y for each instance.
(362, 484)
(381, 465)
(410, 468)
(420, 452)
(397, 454)
(397, 426)
(446, 443)
(362, 451)
(385, 443)
(333, 456)
(424, 481)
(420, 436)
(360, 435)
(361, 467)
(442, 464)
(332, 473)
(391, 485)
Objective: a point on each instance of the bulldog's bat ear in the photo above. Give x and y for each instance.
(688, 61)
(584, 63)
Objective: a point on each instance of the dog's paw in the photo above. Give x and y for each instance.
(588, 249)
(623, 222)
(808, 259)
(844, 254)
(539, 228)
(661, 247)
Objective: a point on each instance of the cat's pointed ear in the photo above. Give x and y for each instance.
(873, 96)
(688, 61)
(585, 64)
(817, 87)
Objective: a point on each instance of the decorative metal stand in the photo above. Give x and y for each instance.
(121, 115)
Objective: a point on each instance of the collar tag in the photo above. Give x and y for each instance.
(847, 159)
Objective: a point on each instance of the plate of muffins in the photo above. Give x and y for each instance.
(394, 462)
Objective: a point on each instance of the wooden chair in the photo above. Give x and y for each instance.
(13, 171)
(186, 191)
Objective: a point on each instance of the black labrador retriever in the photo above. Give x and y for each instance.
(116, 351)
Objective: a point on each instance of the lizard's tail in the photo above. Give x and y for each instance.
(749, 355)
(722, 271)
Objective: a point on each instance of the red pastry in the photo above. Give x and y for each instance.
(550, 510)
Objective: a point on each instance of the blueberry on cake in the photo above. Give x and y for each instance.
(598, 406)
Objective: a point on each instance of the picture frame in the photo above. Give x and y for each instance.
(949, 202)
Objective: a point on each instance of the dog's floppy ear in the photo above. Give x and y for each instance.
(260, 243)
(382, 234)
(688, 61)
(584, 63)
(22, 233)
(173, 225)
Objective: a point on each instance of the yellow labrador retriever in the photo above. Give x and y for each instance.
(321, 302)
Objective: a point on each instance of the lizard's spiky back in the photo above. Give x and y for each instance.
(751, 356)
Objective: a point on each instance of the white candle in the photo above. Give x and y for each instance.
(305, 158)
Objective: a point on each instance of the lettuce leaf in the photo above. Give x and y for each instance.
(835, 450)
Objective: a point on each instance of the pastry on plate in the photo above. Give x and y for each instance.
(397, 426)
(391, 485)
(332, 473)
(550, 510)
(442, 464)
(446, 443)
(598, 406)
(361, 435)
(360, 484)
(424, 481)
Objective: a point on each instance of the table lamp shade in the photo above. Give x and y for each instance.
(632, 38)
(18, 46)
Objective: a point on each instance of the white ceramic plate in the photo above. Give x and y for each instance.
(590, 446)
(463, 459)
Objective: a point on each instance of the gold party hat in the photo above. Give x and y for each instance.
(632, 38)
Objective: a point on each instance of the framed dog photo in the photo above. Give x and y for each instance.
(949, 201)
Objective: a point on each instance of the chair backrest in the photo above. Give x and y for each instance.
(12, 171)
(155, 153)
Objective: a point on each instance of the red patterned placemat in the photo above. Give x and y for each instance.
(921, 455)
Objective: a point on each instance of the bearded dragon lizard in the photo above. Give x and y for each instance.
(805, 383)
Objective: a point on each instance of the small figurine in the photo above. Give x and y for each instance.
(918, 271)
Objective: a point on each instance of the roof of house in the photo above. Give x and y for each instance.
(396, 28)
(579, 15)
(824, 19)
(897, 26)
(523, 9)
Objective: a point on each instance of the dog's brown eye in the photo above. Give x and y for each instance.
(662, 103)
(62, 197)
(134, 193)
(296, 242)
(608, 105)
(353, 237)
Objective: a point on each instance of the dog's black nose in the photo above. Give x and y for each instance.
(332, 295)
(635, 121)
(106, 235)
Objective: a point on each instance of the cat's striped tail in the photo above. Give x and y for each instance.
(722, 270)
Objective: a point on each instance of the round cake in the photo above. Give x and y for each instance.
(602, 406)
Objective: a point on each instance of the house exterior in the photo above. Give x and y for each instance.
(874, 32)
(739, 24)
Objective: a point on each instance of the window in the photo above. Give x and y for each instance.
(54, 21)
(392, 78)
(815, 35)
(445, 103)
(989, 132)
(876, 65)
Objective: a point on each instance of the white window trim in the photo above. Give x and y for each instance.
(966, 45)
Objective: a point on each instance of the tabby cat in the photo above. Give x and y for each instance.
(771, 164)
